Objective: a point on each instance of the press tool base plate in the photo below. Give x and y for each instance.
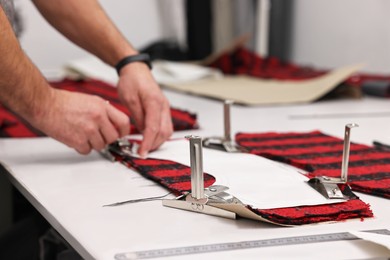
(332, 188)
(214, 194)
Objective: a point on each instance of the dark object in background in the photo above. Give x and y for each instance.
(165, 50)
(280, 31)
(379, 88)
(199, 18)
(199, 35)
(21, 241)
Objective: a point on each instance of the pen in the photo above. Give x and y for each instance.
(381, 145)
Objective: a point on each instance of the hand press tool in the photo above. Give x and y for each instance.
(200, 199)
(330, 186)
(224, 143)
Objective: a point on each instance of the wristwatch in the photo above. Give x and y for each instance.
(142, 57)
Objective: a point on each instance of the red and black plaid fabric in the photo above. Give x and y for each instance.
(177, 178)
(302, 215)
(242, 61)
(172, 175)
(12, 125)
(321, 155)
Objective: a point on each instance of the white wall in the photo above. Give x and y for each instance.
(331, 33)
(326, 33)
(139, 20)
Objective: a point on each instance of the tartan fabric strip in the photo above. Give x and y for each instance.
(320, 154)
(13, 126)
(174, 176)
(354, 208)
(177, 178)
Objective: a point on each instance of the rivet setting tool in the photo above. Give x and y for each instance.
(200, 198)
(330, 186)
(122, 147)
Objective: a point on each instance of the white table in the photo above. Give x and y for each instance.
(71, 196)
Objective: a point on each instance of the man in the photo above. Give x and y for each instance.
(81, 121)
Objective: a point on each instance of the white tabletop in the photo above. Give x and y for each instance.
(69, 189)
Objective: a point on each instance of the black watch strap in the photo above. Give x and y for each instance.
(142, 57)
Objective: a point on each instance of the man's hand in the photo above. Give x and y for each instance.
(97, 34)
(148, 106)
(83, 122)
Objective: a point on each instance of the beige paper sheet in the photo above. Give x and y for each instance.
(253, 91)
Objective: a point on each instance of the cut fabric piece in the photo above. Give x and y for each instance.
(177, 178)
(354, 208)
(172, 175)
(242, 61)
(12, 125)
(321, 155)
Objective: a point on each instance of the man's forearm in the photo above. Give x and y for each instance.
(86, 24)
(22, 87)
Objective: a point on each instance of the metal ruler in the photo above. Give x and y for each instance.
(177, 251)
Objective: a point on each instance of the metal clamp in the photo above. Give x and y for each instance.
(329, 186)
(224, 143)
(199, 198)
(121, 147)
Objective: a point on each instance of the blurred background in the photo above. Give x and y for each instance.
(320, 33)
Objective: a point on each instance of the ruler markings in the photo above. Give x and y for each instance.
(165, 252)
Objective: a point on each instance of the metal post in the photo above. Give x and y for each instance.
(344, 163)
(226, 116)
(197, 182)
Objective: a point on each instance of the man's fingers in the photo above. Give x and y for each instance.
(152, 128)
(111, 125)
(158, 127)
(148, 106)
(137, 111)
(118, 124)
(166, 128)
(97, 141)
(84, 148)
(109, 132)
(147, 143)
